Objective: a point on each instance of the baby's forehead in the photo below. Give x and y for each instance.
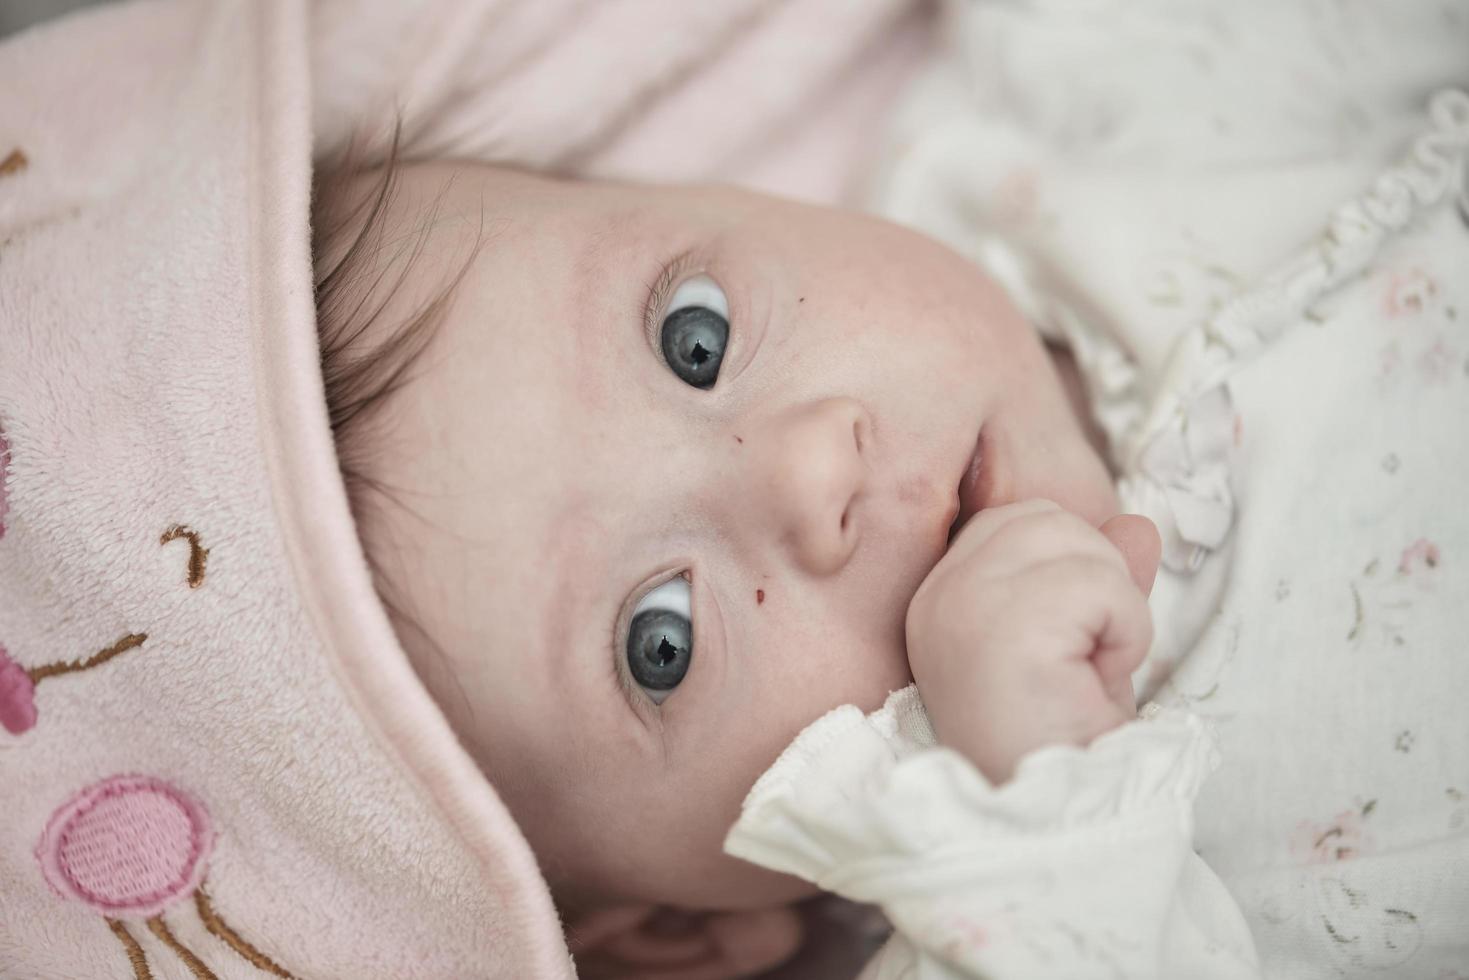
(550, 204)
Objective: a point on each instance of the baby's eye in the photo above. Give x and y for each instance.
(695, 330)
(660, 639)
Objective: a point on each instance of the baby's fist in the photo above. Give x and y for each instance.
(1027, 631)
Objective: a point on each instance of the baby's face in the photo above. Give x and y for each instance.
(635, 573)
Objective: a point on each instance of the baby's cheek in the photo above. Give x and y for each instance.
(846, 649)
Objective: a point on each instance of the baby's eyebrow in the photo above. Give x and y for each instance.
(608, 242)
(564, 613)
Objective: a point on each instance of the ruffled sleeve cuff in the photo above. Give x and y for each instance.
(857, 799)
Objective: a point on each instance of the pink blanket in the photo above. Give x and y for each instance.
(775, 95)
(214, 758)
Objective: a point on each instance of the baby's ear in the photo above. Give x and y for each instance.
(656, 943)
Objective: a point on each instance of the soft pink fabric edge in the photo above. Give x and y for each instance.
(310, 502)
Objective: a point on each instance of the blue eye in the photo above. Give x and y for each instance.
(695, 331)
(660, 639)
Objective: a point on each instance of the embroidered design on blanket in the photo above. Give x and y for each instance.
(4, 473)
(18, 684)
(198, 554)
(131, 847)
(15, 161)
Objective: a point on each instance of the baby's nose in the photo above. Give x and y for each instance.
(810, 473)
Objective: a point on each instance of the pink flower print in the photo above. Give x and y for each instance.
(1409, 292)
(130, 847)
(1385, 602)
(1419, 556)
(1437, 363)
(17, 696)
(1342, 838)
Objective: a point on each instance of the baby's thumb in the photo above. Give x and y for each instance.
(1141, 546)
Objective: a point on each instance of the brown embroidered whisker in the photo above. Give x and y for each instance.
(198, 554)
(40, 673)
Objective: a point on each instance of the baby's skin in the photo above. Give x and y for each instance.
(1027, 631)
(678, 474)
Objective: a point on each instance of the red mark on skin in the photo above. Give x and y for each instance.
(1239, 430)
(759, 596)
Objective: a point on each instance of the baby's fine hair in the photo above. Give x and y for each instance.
(357, 274)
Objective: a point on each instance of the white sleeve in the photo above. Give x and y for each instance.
(1080, 866)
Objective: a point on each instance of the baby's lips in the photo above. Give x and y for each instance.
(17, 696)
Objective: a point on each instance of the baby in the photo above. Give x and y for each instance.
(860, 468)
(743, 462)
(707, 445)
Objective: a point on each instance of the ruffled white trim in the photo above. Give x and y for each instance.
(1182, 478)
(901, 726)
(856, 796)
(1177, 465)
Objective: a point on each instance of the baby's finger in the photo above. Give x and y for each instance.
(1020, 536)
(1088, 610)
(984, 525)
(1123, 640)
(1141, 546)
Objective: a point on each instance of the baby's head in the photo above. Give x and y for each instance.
(661, 484)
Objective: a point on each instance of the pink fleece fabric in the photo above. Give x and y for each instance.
(214, 746)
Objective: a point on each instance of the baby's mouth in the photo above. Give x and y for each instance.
(974, 485)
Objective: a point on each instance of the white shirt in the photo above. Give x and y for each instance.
(1255, 236)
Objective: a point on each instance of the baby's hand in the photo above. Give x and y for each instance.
(1026, 632)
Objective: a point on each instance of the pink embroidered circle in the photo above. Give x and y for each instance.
(17, 696)
(128, 845)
